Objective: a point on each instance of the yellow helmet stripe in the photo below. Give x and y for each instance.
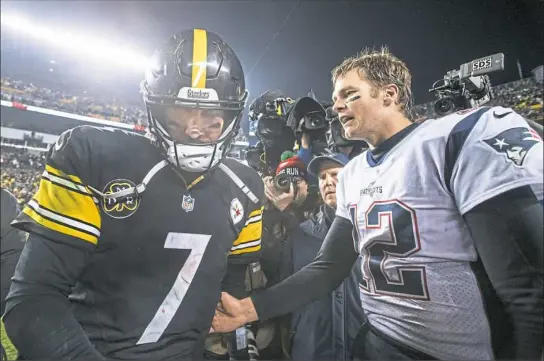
(200, 56)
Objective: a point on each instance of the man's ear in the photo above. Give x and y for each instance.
(390, 94)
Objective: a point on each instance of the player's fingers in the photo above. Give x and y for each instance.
(225, 297)
(219, 324)
(229, 303)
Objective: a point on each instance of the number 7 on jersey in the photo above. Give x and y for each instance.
(197, 244)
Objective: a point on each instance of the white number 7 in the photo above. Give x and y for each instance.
(197, 243)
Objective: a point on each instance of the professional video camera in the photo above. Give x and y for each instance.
(270, 111)
(335, 135)
(467, 87)
(307, 115)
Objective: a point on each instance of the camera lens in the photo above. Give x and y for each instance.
(314, 121)
(282, 182)
(444, 106)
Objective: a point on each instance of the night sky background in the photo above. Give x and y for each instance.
(284, 44)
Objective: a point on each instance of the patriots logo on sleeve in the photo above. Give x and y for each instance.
(514, 143)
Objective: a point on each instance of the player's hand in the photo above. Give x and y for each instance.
(279, 199)
(232, 313)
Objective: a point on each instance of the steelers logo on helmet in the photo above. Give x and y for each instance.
(119, 207)
(195, 94)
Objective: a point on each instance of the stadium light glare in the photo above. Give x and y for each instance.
(78, 44)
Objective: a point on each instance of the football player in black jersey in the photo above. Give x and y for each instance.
(130, 235)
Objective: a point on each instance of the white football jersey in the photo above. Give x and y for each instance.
(418, 286)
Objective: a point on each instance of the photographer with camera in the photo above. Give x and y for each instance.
(286, 194)
(269, 112)
(307, 118)
(286, 191)
(326, 328)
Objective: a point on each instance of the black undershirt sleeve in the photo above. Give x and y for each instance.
(38, 319)
(331, 266)
(508, 234)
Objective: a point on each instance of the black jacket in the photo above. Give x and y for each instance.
(326, 328)
(12, 243)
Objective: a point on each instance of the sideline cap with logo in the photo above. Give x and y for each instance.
(315, 164)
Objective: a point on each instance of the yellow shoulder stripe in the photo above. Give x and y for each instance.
(68, 202)
(58, 227)
(246, 250)
(256, 212)
(249, 233)
(249, 239)
(60, 173)
(63, 204)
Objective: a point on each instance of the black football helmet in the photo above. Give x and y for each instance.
(197, 71)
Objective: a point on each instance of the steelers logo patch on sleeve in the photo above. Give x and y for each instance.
(123, 206)
(236, 211)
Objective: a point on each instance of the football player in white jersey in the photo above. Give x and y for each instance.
(447, 215)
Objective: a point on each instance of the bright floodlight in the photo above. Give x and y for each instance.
(78, 44)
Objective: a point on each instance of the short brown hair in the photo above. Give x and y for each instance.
(380, 68)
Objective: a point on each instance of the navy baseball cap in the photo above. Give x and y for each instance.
(315, 164)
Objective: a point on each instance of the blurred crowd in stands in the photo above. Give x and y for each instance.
(525, 96)
(29, 94)
(21, 171)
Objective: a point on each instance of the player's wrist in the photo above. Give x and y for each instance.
(250, 314)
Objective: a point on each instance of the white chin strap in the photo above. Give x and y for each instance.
(195, 158)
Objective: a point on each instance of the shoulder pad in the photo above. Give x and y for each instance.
(92, 135)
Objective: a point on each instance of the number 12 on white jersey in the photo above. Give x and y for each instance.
(401, 240)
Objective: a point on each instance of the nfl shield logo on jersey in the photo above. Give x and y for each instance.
(236, 211)
(188, 203)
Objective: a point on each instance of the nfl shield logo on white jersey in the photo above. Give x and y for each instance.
(236, 211)
(188, 203)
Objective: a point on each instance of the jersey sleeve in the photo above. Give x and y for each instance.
(246, 248)
(64, 209)
(489, 152)
(342, 209)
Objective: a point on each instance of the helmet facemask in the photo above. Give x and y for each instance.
(194, 94)
(188, 154)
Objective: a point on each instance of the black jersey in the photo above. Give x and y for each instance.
(159, 248)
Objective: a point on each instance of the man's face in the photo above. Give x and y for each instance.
(194, 125)
(358, 105)
(328, 177)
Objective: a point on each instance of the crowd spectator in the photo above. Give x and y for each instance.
(20, 172)
(109, 109)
